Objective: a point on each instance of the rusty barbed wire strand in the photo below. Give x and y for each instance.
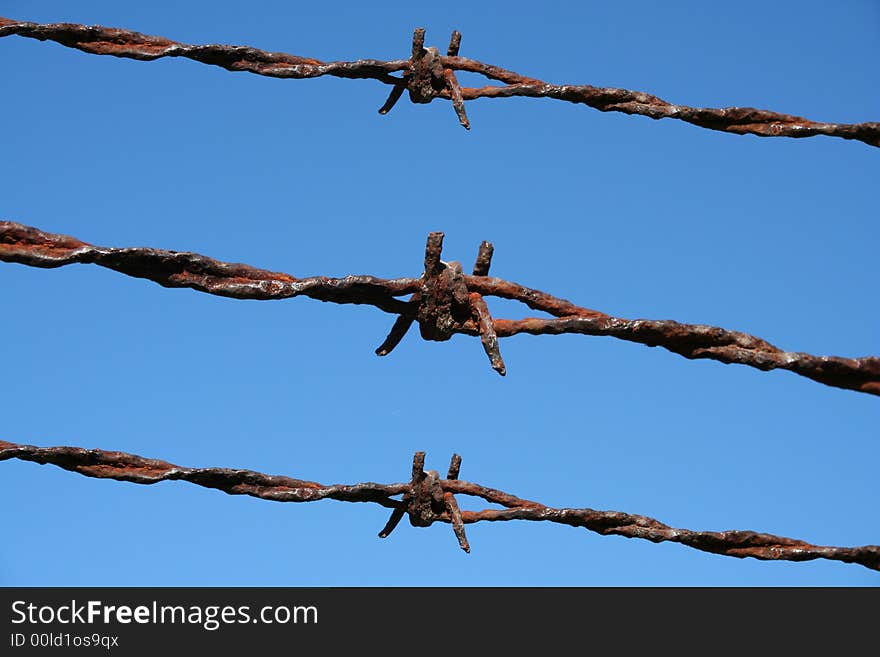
(427, 499)
(428, 75)
(444, 302)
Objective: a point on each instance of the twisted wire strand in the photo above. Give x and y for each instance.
(139, 470)
(30, 246)
(119, 42)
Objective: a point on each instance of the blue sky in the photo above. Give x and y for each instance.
(776, 237)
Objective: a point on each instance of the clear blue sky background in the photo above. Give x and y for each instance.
(776, 237)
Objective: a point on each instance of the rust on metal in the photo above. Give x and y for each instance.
(444, 301)
(427, 499)
(428, 75)
(452, 505)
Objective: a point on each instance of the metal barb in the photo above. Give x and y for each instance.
(457, 99)
(484, 259)
(454, 467)
(452, 505)
(488, 337)
(396, 516)
(396, 92)
(452, 82)
(400, 327)
(433, 251)
(454, 44)
(418, 42)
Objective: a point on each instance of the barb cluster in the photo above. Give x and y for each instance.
(444, 301)
(428, 75)
(427, 499)
(444, 304)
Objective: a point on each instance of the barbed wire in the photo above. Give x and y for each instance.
(444, 301)
(427, 499)
(427, 75)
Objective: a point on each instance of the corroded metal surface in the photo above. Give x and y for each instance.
(33, 247)
(695, 341)
(427, 499)
(444, 301)
(139, 470)
(428, 75)
(99, 40)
